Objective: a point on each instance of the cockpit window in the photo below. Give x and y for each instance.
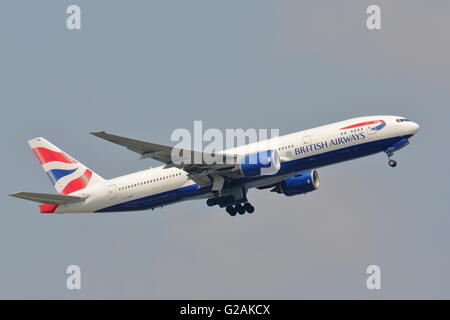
(402, 120)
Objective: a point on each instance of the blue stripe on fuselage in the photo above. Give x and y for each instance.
(309, 162)
(157, 200)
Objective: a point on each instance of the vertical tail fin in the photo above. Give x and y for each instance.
(66, 174)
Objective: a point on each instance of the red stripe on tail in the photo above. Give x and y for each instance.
(45, 155)
(78, 183)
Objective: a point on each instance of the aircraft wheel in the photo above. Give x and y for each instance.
(392, 163)
(231, 211)
(211, 202)
(240, 209)
(249, 208)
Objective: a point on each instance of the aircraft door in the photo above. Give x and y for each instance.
(112, 192)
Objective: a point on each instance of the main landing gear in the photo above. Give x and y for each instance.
(241, 209)
(233, 198)
(392, 163)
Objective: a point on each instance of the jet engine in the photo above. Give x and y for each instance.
(260, 163)
(303, 182)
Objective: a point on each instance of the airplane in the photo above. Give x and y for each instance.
(289, 168)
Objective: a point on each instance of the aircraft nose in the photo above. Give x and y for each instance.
(414, 127)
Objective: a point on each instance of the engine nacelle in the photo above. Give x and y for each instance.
(260, 163)
(303, 182)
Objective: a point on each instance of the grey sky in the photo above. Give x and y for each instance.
(145, 68)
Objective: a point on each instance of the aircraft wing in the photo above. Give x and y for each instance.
(202, 173)
(47, 197)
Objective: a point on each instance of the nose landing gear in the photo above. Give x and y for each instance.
(392, 163)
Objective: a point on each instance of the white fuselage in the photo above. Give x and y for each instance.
(318, 147)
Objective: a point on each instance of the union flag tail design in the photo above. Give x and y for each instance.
(66, 174)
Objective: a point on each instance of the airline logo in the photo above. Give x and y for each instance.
(66, 174)
(331, 143)
(380, 124)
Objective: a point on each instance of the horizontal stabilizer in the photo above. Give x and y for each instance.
(47, 197)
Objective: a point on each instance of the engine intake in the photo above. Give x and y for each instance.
(260, 164)
(303, 182)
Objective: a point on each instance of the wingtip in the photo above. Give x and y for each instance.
(15, 194)
(97, 133)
